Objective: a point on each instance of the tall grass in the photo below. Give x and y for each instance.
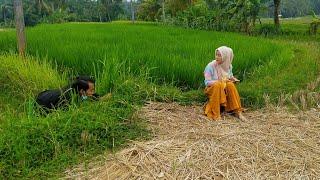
(290, 28)
(21, 78)
(35, 146)
(171, 54)
(292, 71)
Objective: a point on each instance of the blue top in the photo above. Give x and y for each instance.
(210, 73)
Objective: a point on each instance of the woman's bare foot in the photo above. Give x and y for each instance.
(217, 118)
(240, 116)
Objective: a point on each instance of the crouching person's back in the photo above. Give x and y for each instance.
(83, 87)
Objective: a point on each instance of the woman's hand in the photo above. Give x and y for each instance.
(234, 80)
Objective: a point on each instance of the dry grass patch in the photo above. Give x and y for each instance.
(272, 144)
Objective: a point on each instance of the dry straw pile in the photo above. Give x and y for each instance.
(272, 144)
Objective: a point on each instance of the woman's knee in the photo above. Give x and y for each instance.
(230, 85)
(217, 84)
(210, 91)
(212, 87)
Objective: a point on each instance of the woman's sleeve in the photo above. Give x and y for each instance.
(208, 76)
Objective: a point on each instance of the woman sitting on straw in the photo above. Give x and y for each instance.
(220, 87)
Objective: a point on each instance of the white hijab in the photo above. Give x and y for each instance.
(227, 57)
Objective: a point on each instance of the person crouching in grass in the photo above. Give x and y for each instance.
(220, 86)
(83, 87)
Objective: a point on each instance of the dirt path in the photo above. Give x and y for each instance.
(272, 144)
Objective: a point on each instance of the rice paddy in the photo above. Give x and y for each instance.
(134, 63)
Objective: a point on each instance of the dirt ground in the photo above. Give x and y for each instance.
(273, 143)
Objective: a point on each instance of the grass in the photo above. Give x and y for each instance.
(20, 79)
(170, 54)
(291, 28)
(283, 75)
(45, 145)
(135, 63)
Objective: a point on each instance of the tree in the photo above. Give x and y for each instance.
(245, 13)
(148, 10)
(316, 6)
(295, 8)
(175, 6)
(163, 10)
(132, 11)
(277, 13)
(111, 9)
(20, 26)
(42, 7)
(6, 8)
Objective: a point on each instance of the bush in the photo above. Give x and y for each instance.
(267, 30)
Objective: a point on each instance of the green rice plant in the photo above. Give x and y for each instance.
(291, 28)
(20, 78)
(132, 64)
(171, 54)
(287, 72)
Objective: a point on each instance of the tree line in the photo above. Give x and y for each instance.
(240, 15)
(56, 11)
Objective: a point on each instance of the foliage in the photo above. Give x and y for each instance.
(148, 10)
(281, 75)
(6, 9)
(292, 8)
(141, 46)
(314, 25)
(297, 29)
(239, 15)
(48, 144)
(126, 59)
(37, 11)
(234, 15)
(267, 30)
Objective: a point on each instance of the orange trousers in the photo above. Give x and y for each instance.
(222, 94)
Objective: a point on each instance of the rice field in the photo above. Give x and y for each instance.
(291, 28)
(134, 63)
(170, 54)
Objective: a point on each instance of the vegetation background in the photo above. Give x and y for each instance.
(158, 58)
